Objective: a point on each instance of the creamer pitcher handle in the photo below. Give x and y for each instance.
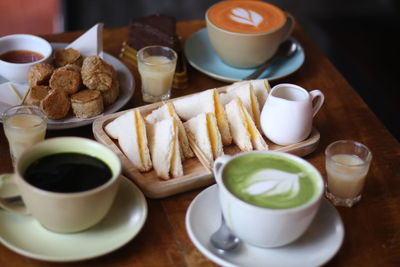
(320, 100)
(11, 205)
(218, 163)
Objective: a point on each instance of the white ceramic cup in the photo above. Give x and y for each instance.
(64, 212)
(266, 227)
(247, 50)
(18, 72)
(288, 112)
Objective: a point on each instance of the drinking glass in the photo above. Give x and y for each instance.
(24, 126)
(156, 66)
(347, 164)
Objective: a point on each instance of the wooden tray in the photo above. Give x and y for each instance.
(195, 174)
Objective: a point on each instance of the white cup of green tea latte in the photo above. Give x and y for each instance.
(269, 198)
(244, 34)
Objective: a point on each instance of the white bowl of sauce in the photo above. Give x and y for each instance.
(18, 52)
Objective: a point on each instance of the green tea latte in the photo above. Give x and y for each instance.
(270, 180)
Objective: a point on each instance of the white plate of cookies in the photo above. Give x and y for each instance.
(72, 90)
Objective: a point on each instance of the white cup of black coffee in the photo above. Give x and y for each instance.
(68, 184)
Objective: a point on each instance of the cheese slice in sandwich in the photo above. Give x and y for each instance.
(167, 111)
(130, 131)
(222, 120)
(244, 91)
(214, 135)
(205, 102)
(244, 131)
(164, 148)
(204, 130)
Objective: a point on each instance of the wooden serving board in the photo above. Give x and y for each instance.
(195, 174)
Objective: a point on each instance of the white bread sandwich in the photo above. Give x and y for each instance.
(205, 102)
(245, 92)
(130, 131)
(261, 89)
(244, 131)
(204, 130)
(164, 148)
(167, 111)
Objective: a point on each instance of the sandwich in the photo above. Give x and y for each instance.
(261, 89)
(164, 148)
(244, 131)
(205, 102)
(130, 131)
(245, 92)
(204, 131)
(167, 111)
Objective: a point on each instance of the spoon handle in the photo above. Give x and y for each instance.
(260, 70)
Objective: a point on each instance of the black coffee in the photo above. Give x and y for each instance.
(67, 173)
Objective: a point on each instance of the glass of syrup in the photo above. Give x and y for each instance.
(347, 164)
(156, 66)
(24, 126)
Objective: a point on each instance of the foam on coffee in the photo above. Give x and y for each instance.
(271, 181)
(246, 16)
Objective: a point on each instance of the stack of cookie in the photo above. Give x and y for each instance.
(84, 85)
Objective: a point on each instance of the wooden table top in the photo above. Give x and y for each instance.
(372, 227)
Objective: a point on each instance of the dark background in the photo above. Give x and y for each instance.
(359, 37)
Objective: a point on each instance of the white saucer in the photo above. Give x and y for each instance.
(317, 246)
(200, 54)
(26, 236)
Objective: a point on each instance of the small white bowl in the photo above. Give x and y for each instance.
(18, 72)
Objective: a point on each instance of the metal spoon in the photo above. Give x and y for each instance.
(223, 239)
(285, 50)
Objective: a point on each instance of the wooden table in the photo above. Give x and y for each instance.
(372, 228)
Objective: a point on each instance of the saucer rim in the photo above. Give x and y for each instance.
(223, 78)
(141, 209)
(208, 253)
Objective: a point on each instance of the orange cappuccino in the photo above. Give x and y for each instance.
(248, 17)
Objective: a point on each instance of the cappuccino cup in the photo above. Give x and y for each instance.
(268, 198)
(244, 34)
(288, 112)
(44, 178)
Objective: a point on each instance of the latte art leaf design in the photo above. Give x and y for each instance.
(270, 182)
(249, 17)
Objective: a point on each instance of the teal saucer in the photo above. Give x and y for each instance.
(201, 56)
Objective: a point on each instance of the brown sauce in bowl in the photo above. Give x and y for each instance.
(21, 56)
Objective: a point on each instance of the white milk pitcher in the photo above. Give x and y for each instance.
(287, 115)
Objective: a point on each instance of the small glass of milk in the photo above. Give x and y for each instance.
(347, 164)
(24, 126)
(156, 66)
